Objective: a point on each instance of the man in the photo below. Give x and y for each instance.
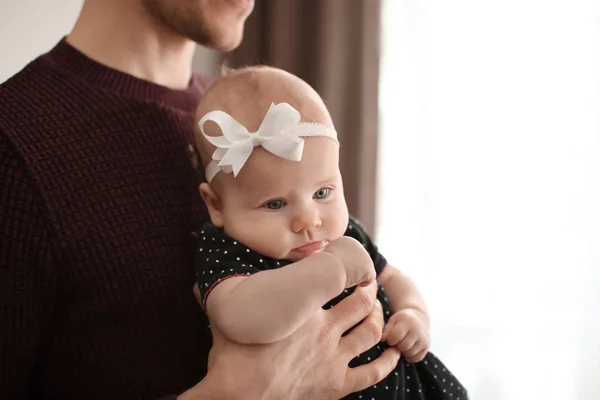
(97, 202)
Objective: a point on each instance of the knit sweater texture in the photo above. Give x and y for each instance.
(97, 203)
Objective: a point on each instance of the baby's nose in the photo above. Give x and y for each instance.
(309, 219)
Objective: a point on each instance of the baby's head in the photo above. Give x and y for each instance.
(275, 205)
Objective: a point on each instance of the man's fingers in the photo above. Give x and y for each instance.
(362, 377)
(353, 309)
(364, 336)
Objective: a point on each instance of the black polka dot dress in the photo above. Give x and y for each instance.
(219, 257)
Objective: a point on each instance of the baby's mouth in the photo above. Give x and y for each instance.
(311, 247)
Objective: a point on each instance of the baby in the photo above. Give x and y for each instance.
(280, 243)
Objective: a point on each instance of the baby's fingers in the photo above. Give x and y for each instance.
(386, 329)
(418, 351)
(408, 342)
(396, 334)
(418, 357)
(413, 350)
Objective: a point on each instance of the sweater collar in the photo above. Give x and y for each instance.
(77, 64)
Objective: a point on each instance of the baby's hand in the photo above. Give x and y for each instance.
(355, 259)
(408, 331)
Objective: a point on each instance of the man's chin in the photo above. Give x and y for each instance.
(224, 43)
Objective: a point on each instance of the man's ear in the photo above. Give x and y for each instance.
(213, 203)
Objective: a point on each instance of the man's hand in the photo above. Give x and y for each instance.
(311, 363)
(408, 331)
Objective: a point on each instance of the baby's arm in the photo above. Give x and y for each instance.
(408, 327)
(401, 291)
(269, 305)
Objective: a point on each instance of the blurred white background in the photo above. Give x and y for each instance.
(490, 186)
(29, 28)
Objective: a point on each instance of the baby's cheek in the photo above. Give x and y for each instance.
(268, 241)
(244, 229)
(340, 221)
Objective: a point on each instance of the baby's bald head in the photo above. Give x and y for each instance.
(240, 204)
(247, 93)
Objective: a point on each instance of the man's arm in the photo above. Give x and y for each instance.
(27, 282)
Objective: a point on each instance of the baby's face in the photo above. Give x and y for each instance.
(286, 209)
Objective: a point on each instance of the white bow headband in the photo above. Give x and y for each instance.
(279, 133)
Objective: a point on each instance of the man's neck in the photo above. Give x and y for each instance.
(127, 39)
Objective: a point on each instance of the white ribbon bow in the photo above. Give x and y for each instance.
(279, 133)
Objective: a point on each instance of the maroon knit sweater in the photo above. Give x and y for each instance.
(97, 202)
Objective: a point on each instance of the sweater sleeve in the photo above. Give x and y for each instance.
(27, 282)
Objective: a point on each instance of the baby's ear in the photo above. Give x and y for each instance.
(212, 203)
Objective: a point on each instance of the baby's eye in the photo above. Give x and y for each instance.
(274, 204)
(321, 193)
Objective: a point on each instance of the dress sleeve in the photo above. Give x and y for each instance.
(357, 231)
(27, 279)
(219, 257)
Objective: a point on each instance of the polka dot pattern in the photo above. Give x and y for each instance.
(219, 257)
